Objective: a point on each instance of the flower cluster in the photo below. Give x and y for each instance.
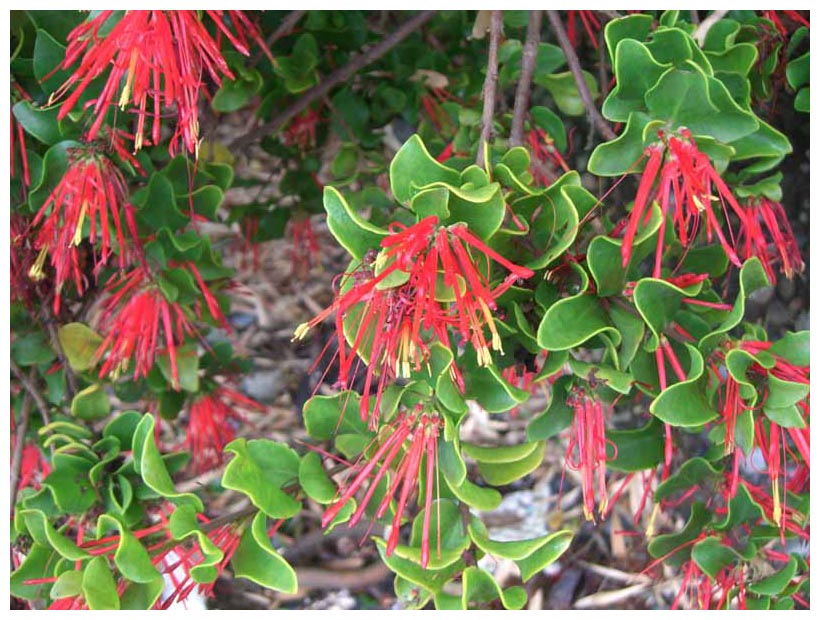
(155, 58)
(767, 234)
(93, 193)
(393, 326)
(688, 185)
(209, 425)
(414, 436)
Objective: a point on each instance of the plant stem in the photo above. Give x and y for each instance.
(337, 77)
(31, 389)
(575, 67)
(490, 82)
(522, 92)
(19, 445)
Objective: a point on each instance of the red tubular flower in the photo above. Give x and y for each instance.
(133, 311)
(416, 435)
(794, 16)
(589, 438)
(394, 327)
(305, 249)
(544, 154)
(301, 131)
(591, 25)
(687, 175)
(757, 243)
(94, 190)
(159, 56)
(209, 425)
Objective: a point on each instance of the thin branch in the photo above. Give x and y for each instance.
(287, 25)
(490, 82)
(703, 28)
(575, 67)
(337, 77)
(19, 444)
(522, 92)
(31, 389)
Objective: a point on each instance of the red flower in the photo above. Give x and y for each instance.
(588, 440)
(417, 435)
(395, 326)
(136, 311)
(159, 56)
(93, 189)
(305, 250)
(209, 425)
(544, 155)
(591, 25)
(757, 243)
(794, 16)
(687, 186)
(301, 131)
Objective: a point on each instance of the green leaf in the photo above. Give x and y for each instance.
(122, 427)
(38, 562)
(149, 464)
(43, 533)
(355, 234)
(480, 498)
(31, 349)
(695, 472)
(48, 56)
(742, 510)
(486, 385)
(711, 555)
(329, 416)
(69, 583)
(205, 201)
(637, 72)
(685, 403)
(798, 71)
(531, 555)
(498, 454)
(774, 584)
(413, 168)
(38, 122)
(187, 368)
(131, 558)
(157, 206)
(557, 417)
(235, 95)
(752, 278)
(142, 595)
(79, 343)
(314, 479)
(665, 545)
(699, 102)
(794, 347)
(621, 155)
(71, 487)
(635, 26)
(99, 587)
(259, 470)
(482, 209)
(257, 560)
(572, 321)
(479, 588)
(182, 524)
(346, 162)
(431, 201)
(556, 225)
(91, 403)
(658, 302)
(564, 91)
(499, 474)
(637, 449)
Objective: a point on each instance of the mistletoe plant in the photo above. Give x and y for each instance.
(482, 270)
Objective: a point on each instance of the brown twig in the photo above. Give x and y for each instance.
(323, 579)
(288, 24)
(337, 77)
(19, 444)
(575, 67)
(490, 82)
(522, 91)
(31, 389)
